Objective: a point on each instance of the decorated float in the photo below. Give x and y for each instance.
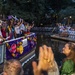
(18, 48)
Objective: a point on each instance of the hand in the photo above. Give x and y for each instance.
(46, 59)
(4, 39)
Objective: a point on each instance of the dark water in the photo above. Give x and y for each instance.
(44, 38)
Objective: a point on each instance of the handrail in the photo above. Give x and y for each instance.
(57, 37)
(13, 39)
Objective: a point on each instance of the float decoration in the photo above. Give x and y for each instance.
(14, 49)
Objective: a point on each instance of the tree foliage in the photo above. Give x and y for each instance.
(69, 11)
(34, 9)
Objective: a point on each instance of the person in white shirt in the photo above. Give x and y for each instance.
(22, 27)
(17, 30)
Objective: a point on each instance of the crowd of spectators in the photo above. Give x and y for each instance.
(13, 28)
(66, 30)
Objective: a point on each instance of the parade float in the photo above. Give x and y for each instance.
(22, 48)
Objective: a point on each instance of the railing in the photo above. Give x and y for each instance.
(58, 41)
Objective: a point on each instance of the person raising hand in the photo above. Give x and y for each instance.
(46, 62)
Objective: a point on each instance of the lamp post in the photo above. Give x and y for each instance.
(70, 20)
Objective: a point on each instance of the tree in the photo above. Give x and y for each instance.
(57, 5)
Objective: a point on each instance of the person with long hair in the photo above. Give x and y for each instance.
(68, 66)
(48, 64)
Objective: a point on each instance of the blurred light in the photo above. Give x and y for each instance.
(41, 24)
(70, 16)
(64, 17)
(73, 0)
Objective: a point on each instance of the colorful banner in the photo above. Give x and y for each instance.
(17, 48)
